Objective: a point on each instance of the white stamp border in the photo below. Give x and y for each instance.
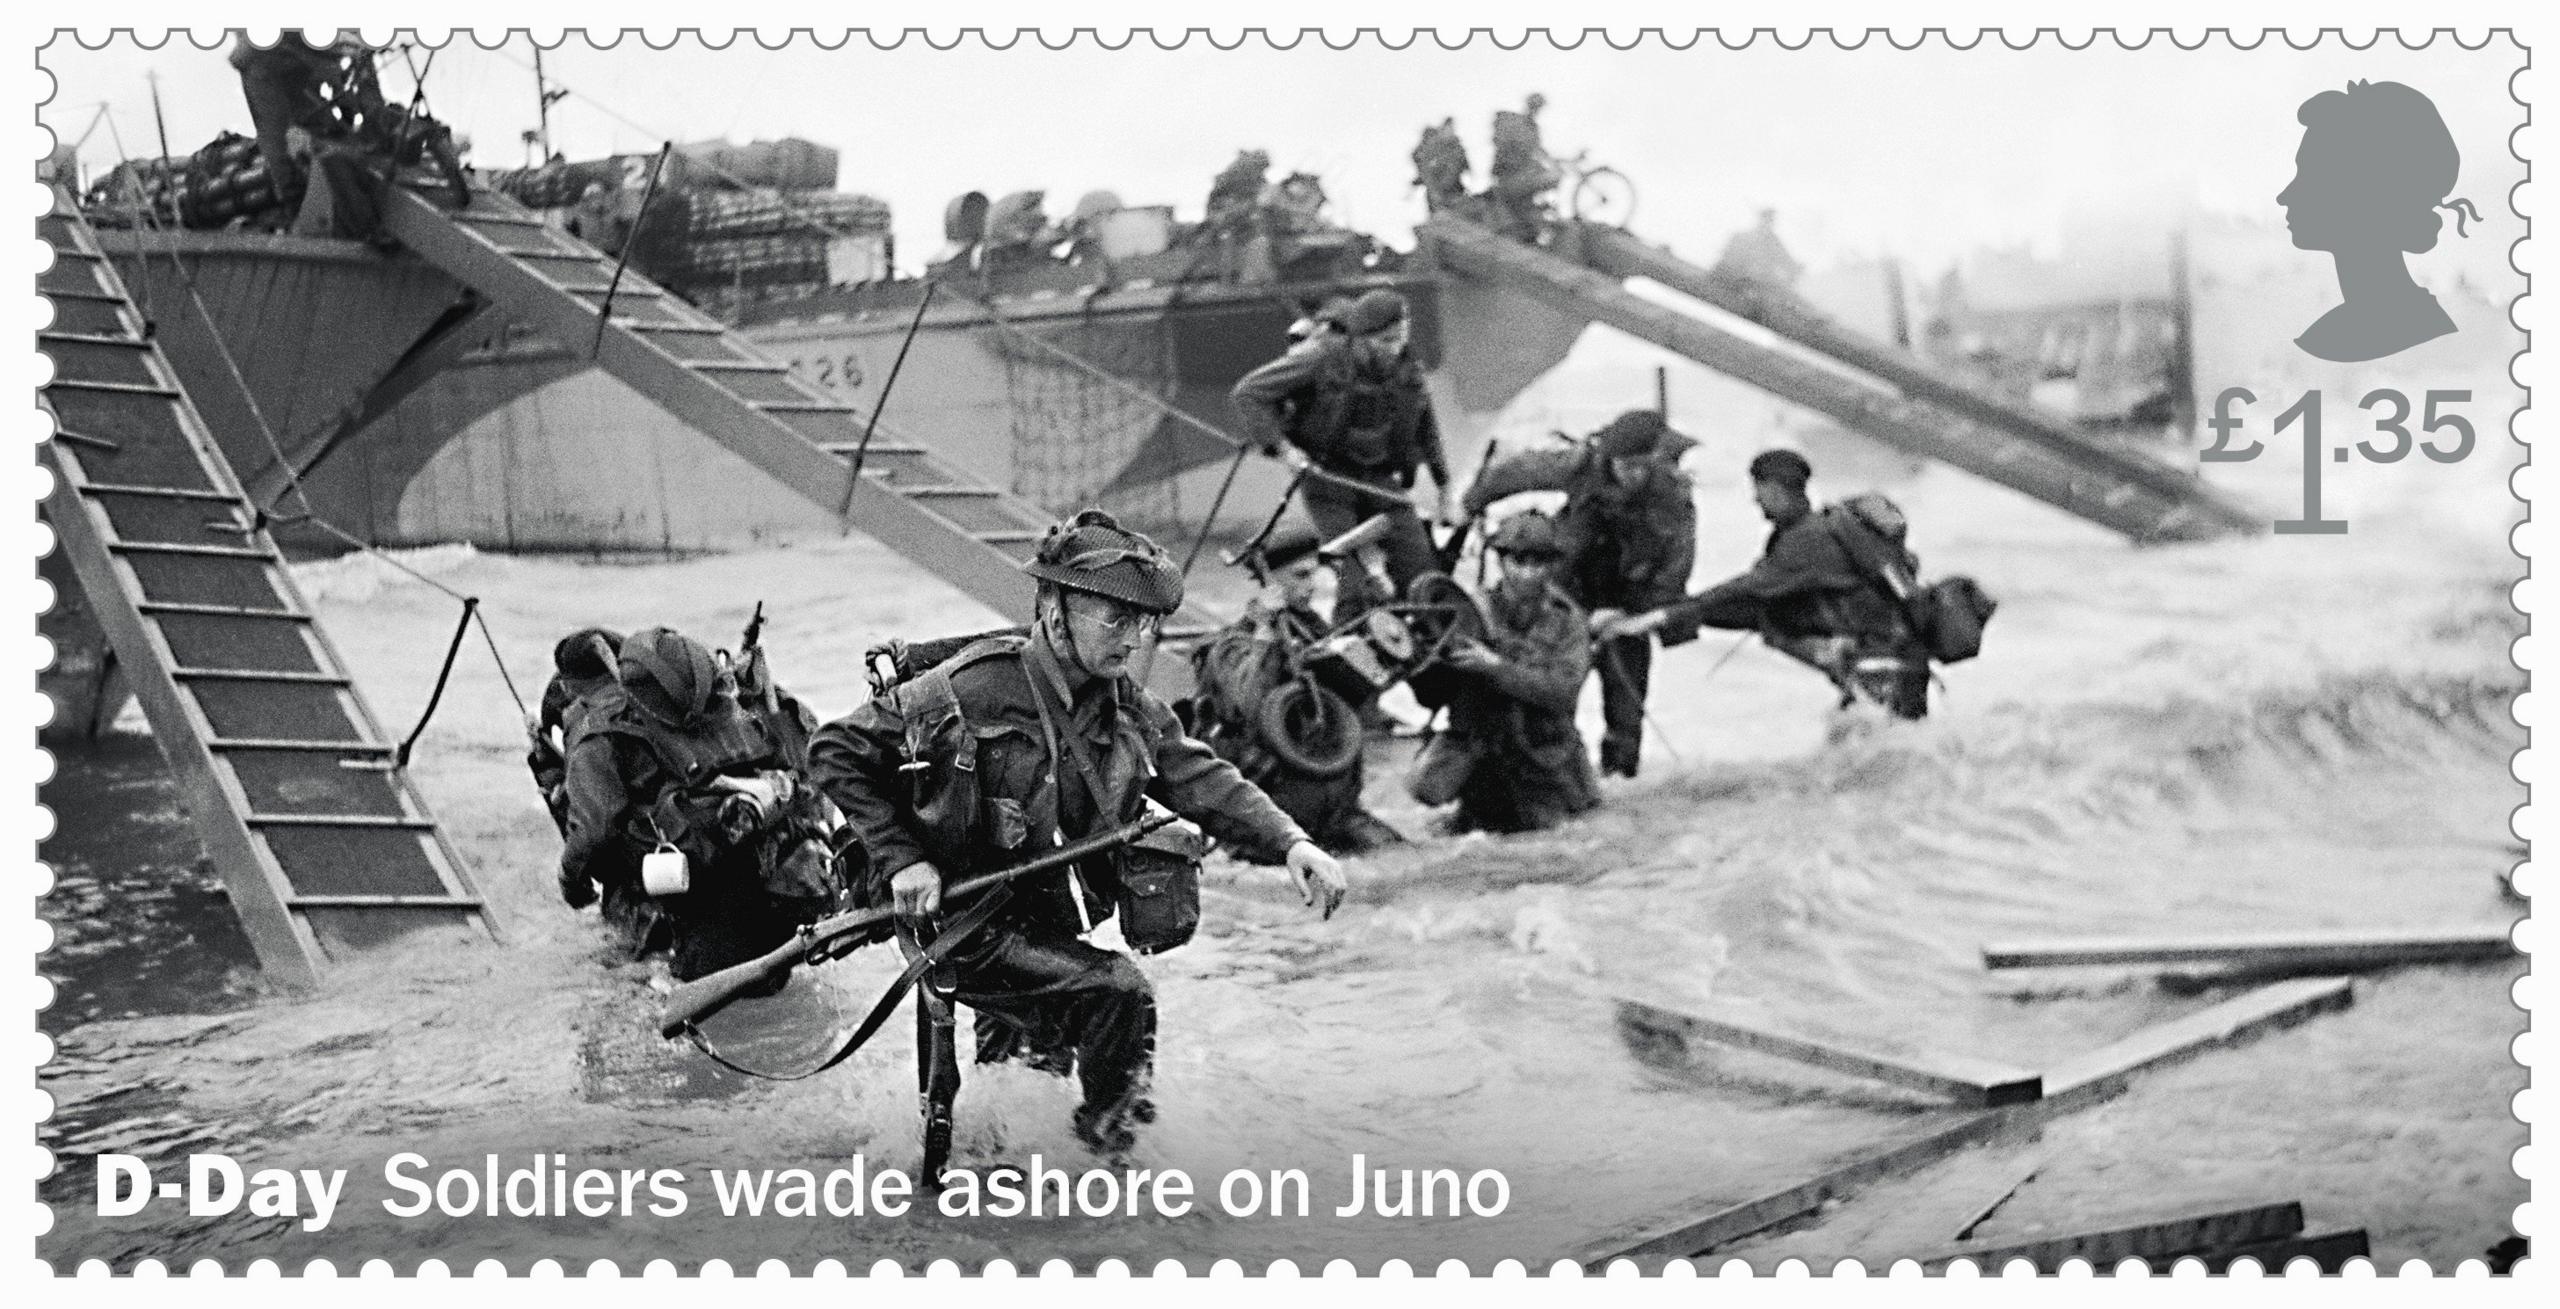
(2523, 426)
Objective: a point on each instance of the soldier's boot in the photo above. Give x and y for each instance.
(1105, 1129)
(938, 1081)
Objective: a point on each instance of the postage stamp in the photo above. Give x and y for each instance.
(1871, 649)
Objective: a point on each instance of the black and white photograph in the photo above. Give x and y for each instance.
(1868, 648)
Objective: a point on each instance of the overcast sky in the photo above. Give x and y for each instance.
(1920, 154)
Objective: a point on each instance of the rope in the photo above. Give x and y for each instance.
(621, 261)
(1210, 519)
(862, 452)
(470, 606)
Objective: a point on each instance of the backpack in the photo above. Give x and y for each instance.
(1957, 610)
(1354, 417)
(1948, 615)
(725, 801)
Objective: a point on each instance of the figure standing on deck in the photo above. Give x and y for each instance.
(1351, 406)
(1760, 256)
(1254, 659)
(1020, 744)
(1523, 172)
(1823, 592)
(1511, 757)
(1629, 532)
(1440, 167)
(675, 766)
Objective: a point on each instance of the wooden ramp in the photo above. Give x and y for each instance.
(2116, 489)
(1778, 309)
(966, 532)
(324, 846)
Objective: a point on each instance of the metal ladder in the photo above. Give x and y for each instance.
(2153, 504)
(323, 844)
(954, 526)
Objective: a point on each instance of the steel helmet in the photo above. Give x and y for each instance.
(1529, 532)
(1091, 552)
(668, 674)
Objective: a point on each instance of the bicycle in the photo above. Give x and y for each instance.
(1596, 193)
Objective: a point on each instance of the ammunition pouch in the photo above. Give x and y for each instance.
(1159, 900)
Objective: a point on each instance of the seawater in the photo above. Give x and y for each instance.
(2257, 735)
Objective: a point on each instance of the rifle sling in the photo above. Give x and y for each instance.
(953, 933)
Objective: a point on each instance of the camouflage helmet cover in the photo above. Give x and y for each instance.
(668, 674)
(1531, 533)
(1091, 552)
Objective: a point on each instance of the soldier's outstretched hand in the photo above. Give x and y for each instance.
(916, 892)
(1630, 624)
(1320, 879)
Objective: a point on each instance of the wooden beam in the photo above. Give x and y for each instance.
(1733, 1222)
(2103, 1071)
(2090, 1079)
(1976, 1083)
(2161, 1241)
(2330, 1250)
(2335, 951)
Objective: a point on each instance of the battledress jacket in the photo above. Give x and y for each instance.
(1518, 715)
(1626, 547)
(1138, 749)
(1345, 414)
(1806, 584)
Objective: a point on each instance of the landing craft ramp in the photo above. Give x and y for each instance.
(322, 842)
(1889, 397)
(961, 530)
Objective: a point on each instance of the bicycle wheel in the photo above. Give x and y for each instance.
(1604, 196)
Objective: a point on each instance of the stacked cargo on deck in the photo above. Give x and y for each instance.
(728, 225)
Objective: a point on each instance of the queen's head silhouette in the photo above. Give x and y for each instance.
(2376, 164)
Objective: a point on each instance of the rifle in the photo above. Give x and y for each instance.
(756, 679)
(1456, 546)
(834, 937)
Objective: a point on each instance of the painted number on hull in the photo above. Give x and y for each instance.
(842, 373)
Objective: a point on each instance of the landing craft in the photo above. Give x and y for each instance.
(337, 390)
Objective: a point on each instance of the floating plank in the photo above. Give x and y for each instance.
(2330, 1250)
(1976, 1083)
(2161, 1241)
(2339, 950)
(2090, 1079)
(1733, 1222)
(2101, 1072)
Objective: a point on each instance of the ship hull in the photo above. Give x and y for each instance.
(1066, 398)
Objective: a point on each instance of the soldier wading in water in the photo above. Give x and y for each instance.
(1019, 744)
